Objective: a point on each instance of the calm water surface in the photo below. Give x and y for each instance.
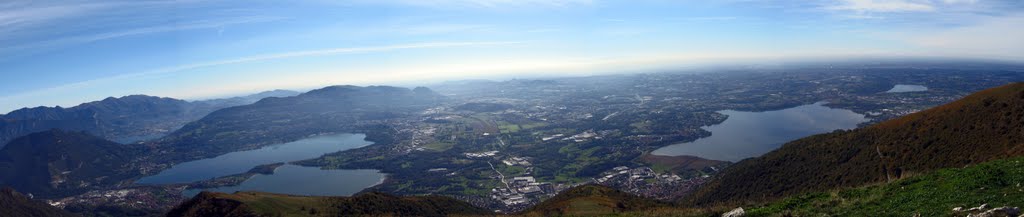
(287, 179)
(901, 88)
(751, 134)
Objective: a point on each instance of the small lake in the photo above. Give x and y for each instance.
(299, 180)
(287, 179)
(751, 134)
(902, 88)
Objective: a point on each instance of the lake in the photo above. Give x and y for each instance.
(287, 179)
(751, 134)
(901, 88)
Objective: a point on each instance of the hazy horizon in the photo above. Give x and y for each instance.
(73, 52)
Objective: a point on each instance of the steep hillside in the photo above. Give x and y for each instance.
(984, 126)
(997, 184)
(275, 120)
(59, 163)
(368, 204)
(13, 204)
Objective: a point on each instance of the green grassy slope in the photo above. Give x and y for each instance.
(996, 183)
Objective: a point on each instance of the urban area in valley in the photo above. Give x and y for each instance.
(508, 145)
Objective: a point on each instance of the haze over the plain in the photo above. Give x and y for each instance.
(201, 49)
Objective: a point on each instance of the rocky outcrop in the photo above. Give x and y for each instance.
(735, 213)
(985, 211)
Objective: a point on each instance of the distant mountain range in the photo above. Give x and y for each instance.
(249, 99)
(126, 119)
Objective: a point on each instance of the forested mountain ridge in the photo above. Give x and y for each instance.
(125, 119)
(984, 126)
(59, 163)
(112, 118)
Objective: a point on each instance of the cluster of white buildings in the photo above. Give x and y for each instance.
(636, 174)
(512, 161)
(552, 137)
(481, 155)
(583, 137)
(520, 189)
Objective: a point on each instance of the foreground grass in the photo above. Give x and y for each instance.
(997, 183)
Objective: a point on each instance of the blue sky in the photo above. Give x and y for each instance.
(68, 52)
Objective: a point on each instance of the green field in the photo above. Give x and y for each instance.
(439, 146)
(509, 128)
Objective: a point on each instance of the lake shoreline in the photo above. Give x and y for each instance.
(745, 134)
(276, 172)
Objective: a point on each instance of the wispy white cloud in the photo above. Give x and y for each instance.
(14, 16)
(472, 3)
(38, 46)
(960, 1)
(33, 16)
(998, 37)
(716, 18)
(30, 27)
(940, 10)
(440, 28)
(862, 6)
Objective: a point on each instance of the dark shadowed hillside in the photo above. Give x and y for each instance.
(14, 204)
(984, 126)
(59, 163)
(367, 204)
